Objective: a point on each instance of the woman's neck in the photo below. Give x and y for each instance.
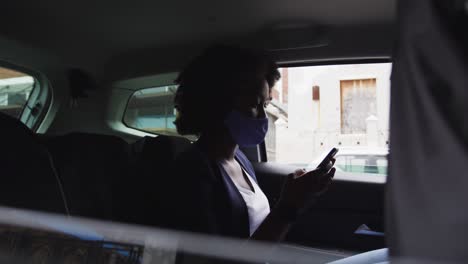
(218, 145)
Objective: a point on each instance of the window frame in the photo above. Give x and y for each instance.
(40, 97)
(263, 155)
(142, 130)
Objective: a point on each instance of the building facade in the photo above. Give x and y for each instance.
(337, 105)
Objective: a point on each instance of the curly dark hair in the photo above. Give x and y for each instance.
(211, 82)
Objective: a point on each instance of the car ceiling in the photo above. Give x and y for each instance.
(134, 35)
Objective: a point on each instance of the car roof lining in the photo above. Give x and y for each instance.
(345, 43)
(163, 35)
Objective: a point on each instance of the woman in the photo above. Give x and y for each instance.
(222, 98)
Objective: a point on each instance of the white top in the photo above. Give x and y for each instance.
(257, 204)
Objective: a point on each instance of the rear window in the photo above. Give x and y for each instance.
(316, 108)
(15, 90)
(152, 110)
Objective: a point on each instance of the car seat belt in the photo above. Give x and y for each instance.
(59, 182)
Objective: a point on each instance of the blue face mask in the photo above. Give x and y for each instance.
(245, 131)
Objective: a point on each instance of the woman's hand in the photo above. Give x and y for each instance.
(299, 192)
(301, 188)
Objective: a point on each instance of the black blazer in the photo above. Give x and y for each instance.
(206, 199)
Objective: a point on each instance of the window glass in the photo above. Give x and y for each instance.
(15, 89)
(152, 110)
(316, 108)
(376, 164)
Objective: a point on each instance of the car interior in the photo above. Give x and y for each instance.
(71, 148)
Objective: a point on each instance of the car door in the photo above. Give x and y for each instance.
(349, 216)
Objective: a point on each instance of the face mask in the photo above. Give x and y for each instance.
(245, 131)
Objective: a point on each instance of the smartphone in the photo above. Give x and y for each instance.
(327, 159)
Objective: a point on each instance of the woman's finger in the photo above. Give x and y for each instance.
(328, 167)
(327, 177)
(299, 173)
(324, 173)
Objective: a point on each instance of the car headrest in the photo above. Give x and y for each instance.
(164, 147)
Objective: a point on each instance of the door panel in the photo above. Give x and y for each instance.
(331, 223)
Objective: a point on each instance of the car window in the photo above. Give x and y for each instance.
(152, 110)
(375, 164)
(316, 108)
(15, 90)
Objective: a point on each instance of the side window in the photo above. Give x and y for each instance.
(346, 106)
(152, 110)
(15, 90)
